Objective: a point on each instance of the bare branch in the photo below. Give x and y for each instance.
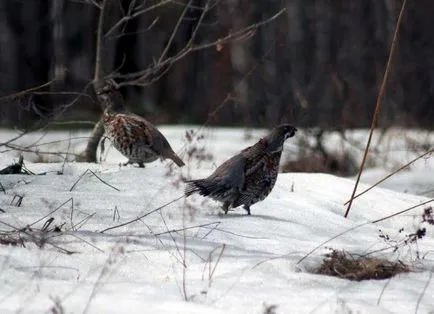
(377, 106)
(140, 77)
(137, 32)
(27, 150)
(199, 23)
(27, 91)
(131, 14)
(175, 30)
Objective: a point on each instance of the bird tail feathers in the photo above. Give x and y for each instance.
(178, 161)
(202, 186)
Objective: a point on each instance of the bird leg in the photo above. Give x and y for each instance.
(247, 208)
(226, 207)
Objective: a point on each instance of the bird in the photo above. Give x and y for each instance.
(132, 135)
(247, 177)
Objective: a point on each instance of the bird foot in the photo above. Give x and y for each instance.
(225, 208)
(247, 209)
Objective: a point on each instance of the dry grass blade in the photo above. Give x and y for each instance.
(142, 216)
(113, 187)
(391, 174)
(69, 200)
(85, 241)
(361, 225)
(96, 176)
(378, 104)
(424, 290)
(82, 222)
(212, 271)
(31, 237)
(402, 211)
(188, 228)
(78, 180)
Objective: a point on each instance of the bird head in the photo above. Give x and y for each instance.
(278, 135)
(286, 130)
(109, 96)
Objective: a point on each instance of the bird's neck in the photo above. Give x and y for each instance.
(108, 115)
(275, 145)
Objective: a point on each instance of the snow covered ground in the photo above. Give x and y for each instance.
(220, 263)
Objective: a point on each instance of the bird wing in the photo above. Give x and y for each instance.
(153, 138)
(255, 181)
(134, 127)
(231, 173)
(254, 156)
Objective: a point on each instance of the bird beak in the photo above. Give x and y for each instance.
(294, 130)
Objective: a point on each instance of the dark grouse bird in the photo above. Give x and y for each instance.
(133, 136)
(249, 176)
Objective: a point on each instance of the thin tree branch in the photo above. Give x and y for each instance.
(175, 30)
(27, 91)
(130, 15)
(199, 23)
(138, 78)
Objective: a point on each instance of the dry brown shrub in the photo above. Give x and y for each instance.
(347, 266)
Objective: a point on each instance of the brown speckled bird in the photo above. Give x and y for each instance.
(247, 177)
(133, 136)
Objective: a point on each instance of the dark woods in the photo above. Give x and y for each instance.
(319, 63)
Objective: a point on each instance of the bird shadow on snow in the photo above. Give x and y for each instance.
(245, 216)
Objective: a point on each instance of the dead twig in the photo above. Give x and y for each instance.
(27, 91)
(96, 176)
(142, 216)
(378, 104)
(361, 225)
(424, 290)
(18, 199)
(69, 200)
(188, 228)
(83, 221)
(173, 240)
(139, 78)
(211, 271)
(391, 174)
(33, 237)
